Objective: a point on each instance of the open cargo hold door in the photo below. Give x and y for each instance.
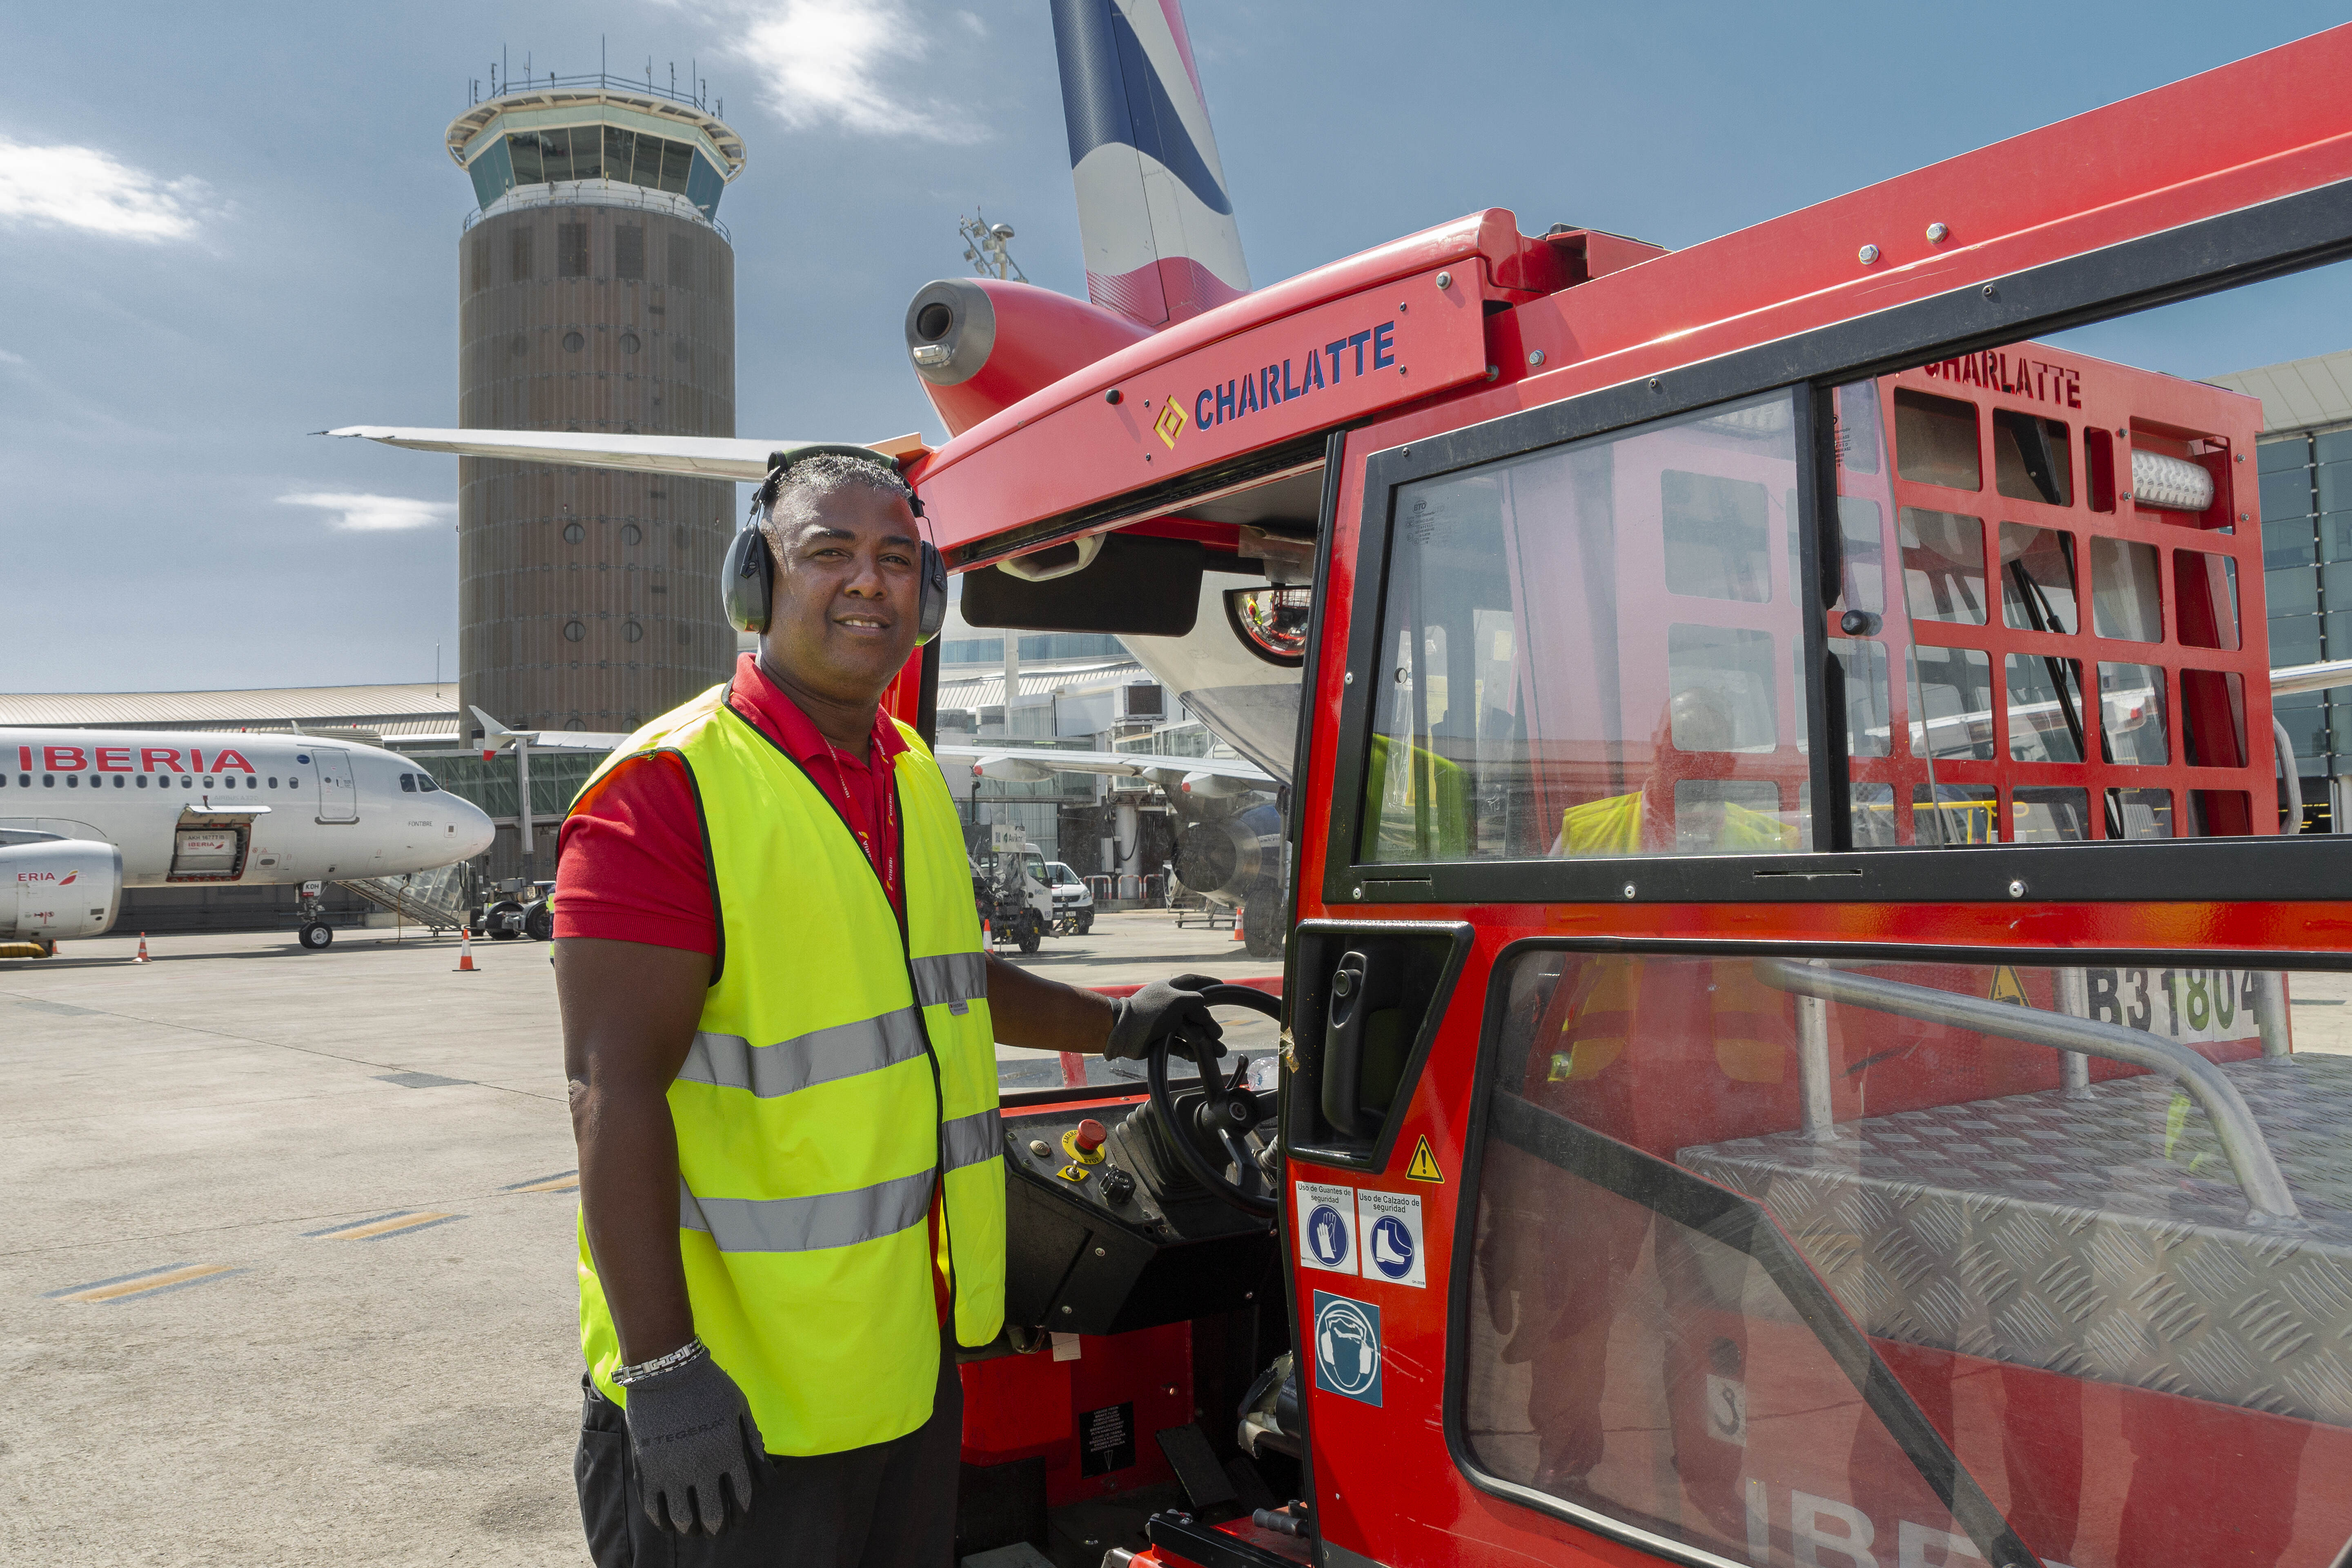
(1809, 1044)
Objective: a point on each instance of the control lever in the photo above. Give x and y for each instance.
(1343, 1046)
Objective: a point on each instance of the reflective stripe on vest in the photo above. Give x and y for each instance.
(820, 1056)
(843, 1071)
(837, 1219)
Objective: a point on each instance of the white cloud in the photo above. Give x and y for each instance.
(8, 358)
(371, 513)
(845, 63)
(81, 187)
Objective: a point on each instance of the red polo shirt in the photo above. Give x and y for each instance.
(630, 860)
(630, 863)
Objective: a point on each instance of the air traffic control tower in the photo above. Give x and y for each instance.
(597, 293)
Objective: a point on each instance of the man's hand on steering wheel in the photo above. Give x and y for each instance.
(1170, 1007)
(1213, 1126)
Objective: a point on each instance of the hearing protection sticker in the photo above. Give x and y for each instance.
(1326, 1228)
(1347, 1347)
(1390, 1224)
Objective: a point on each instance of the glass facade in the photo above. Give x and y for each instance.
(596, 152)
(2306, 491)
(1035, 645)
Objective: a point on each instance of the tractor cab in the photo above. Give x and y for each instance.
(1810, 1033)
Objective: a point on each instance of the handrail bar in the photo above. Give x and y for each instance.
(2242, 1138)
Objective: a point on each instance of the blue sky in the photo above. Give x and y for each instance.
(223, 228)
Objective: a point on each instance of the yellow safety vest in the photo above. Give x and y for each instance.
(842, 1062)
(1418, 811)
(1613, 827)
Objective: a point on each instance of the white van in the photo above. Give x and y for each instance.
(1071, 896)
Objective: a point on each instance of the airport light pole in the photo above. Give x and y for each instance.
(523, 815)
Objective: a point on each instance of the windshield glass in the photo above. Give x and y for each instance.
(2078, 1211)
(1590, 650)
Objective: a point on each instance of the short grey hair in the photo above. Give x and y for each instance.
(793, 496)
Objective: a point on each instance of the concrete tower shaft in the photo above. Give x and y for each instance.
(597, 293)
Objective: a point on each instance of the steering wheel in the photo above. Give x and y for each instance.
(1226, 1113)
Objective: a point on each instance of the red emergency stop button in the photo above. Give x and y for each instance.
(1084, 1143)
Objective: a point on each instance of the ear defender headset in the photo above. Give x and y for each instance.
(746, 582)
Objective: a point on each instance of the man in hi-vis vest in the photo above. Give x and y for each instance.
(780, 1027)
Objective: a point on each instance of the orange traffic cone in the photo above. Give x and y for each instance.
(987, 934)
(143, 949)
(1237, 925)
(465, 951)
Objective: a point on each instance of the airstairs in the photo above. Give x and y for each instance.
(434, 900)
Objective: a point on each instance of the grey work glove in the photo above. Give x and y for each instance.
(1165, 1007)
(694, 1437)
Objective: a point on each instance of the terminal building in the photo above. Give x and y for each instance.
(596, 292)
(1081, 691)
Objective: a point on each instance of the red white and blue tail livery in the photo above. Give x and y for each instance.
(1153, 211)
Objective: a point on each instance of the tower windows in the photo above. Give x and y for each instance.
(572, 250)
(521, 255)
(629, 252)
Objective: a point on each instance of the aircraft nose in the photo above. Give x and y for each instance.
(476, 831)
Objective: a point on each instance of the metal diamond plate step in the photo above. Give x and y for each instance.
(2062, 1232)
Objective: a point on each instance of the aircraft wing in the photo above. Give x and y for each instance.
(702, 457)
(1028, 764)
(495, 735)
(573, 740)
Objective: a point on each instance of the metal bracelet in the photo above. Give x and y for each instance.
(626, 1375)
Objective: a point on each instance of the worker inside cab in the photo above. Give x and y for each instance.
(780, 1030)
(1667, 815)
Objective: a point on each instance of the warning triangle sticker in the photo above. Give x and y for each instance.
(1424, 1164)
(2007, 988)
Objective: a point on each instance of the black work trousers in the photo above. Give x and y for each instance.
(890, 1505)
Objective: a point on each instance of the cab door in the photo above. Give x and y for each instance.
(1569, 674)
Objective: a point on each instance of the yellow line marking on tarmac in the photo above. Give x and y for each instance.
(390, 1227)
(186, 1275)
(559, 1184)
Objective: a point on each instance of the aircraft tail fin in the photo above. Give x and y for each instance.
(1153, 211)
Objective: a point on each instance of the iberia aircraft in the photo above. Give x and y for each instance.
(85, 813)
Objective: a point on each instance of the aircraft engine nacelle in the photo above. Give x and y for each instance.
(58, 887)
(982, 344)
(1225, 859)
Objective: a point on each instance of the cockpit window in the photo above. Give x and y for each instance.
(424, 783)
(408, 784)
